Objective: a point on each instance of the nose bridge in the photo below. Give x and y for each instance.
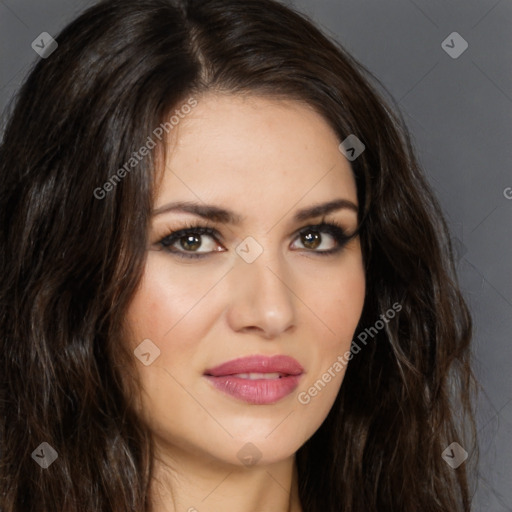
(263, 298)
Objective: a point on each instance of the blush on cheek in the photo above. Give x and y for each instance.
(157, 307)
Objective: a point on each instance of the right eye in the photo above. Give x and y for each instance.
(186, 242)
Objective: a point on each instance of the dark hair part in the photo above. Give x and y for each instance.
(70, 262)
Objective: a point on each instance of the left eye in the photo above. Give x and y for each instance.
(314, 239)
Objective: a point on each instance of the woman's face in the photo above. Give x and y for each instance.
(252, 286)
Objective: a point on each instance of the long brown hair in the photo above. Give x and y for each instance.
(71, 262)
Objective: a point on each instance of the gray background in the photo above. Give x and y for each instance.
(459, 112)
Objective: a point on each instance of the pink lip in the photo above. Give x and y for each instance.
(257, 391)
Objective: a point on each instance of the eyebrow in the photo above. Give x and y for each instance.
(223, 216)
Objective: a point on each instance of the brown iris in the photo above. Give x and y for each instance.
(190, 242)
(311, 239)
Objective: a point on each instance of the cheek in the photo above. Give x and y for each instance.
(160, 311)
(338, 305)
(345, 311)
(337, 302)
(163, 302)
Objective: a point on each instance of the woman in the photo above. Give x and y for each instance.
(226, 284)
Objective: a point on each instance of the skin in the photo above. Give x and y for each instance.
(264, 159)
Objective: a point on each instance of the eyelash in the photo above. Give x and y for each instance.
(334, 229)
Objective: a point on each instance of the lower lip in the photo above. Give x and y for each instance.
(257, 391)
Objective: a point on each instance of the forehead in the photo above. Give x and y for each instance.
(254, 152)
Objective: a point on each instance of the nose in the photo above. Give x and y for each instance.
(262, 300)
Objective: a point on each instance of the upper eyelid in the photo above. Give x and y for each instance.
(215, 231)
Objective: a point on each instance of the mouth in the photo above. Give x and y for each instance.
(257, 380)
(257, 376)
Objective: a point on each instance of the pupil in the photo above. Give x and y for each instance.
(311, 240)
(191, 242)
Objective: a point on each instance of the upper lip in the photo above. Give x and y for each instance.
(257, 364)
